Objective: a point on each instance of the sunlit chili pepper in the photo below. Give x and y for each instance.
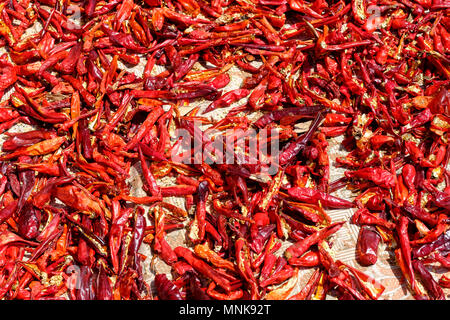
(367, 245)
(227, 99)
(166, 289)
(299, 248)
(314, 196)
(203, 268)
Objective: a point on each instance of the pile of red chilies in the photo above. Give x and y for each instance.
(373, 73)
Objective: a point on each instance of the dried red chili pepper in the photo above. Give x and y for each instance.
(314, 196)
(166, 289)
(367, 245)
(299, 248)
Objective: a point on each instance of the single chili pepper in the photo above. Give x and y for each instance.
(426, 249)
(124, 40)
(243, 264)
(194, 288)
(138, 235)
(203, 268)
(367, 245)
(441, 259)
(166, 288)
(289, 152)
(227, 99)
(180, 190)
(328, 262)
(283, 291)
(444, 281)
(309, 287)
(160, 244)
(380, 177)
(152, 185)
(441, 199)
(432, 235)
(269, 262)
(8, 211)
(309, 195)
(364, 217)
(372, 287)
(309, 259)
(40, 148)
(141, 200)
(234, 295)
(96, 242)
(145, 128)
(287, 112)
(299, 248)
(87, 97)
(406, 250)
(430, 284)
(212, 257)
(199, 224)
(221, 209)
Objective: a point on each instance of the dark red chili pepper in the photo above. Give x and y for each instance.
(195, 289)
(432, 286)
(199, 222)
(380, 177)
(309, 259)
(227, 99)
(299, 248)
(364, 217)
(152, 185)
(166, 289)
(292, 149)
(309, 195)
(288, 112)
(367, 245)
(203, 268)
